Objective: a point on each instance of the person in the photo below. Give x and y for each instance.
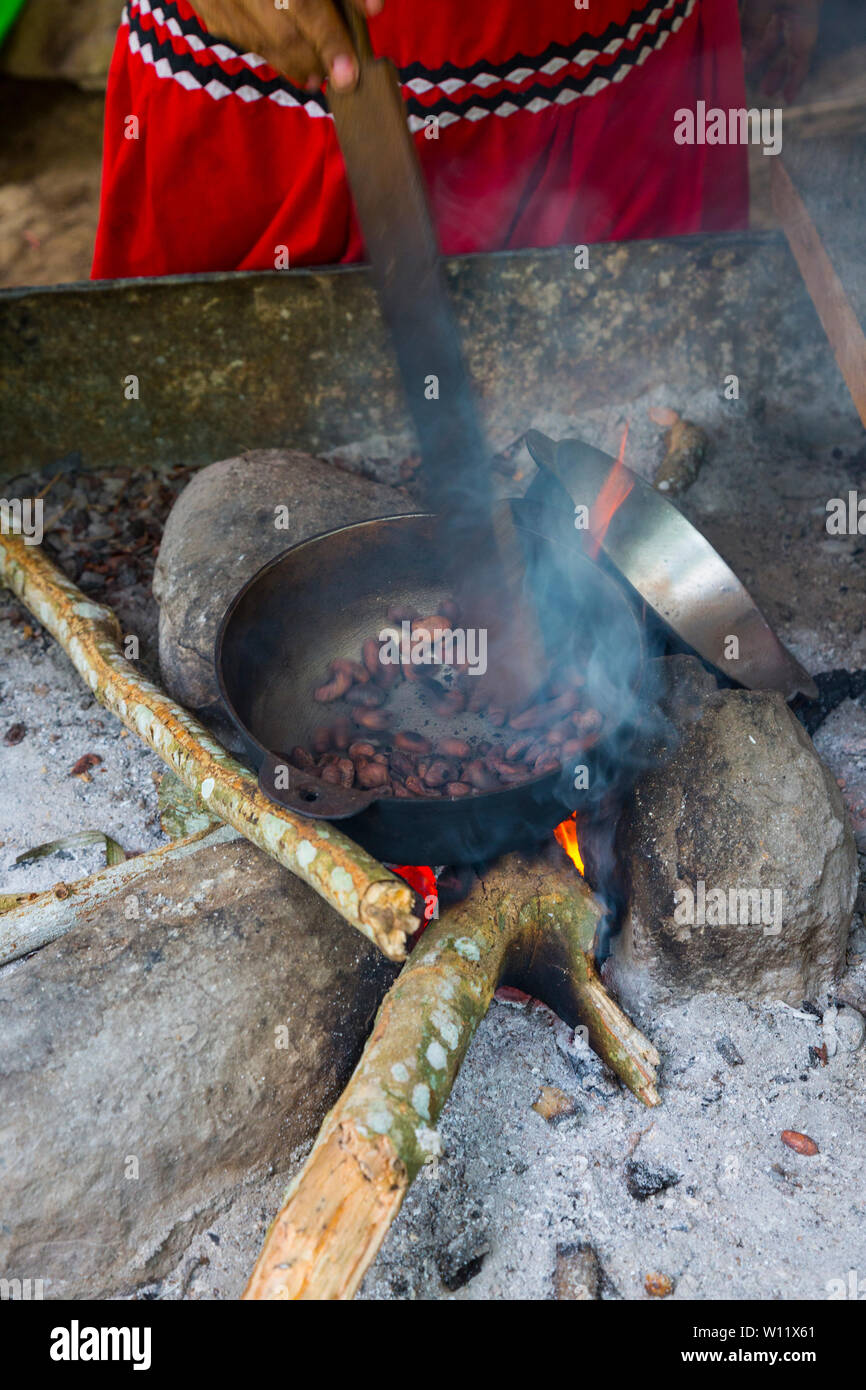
(536, 124)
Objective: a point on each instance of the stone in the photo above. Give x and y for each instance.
(578, 1275)
(178, 1048)
(645, 1180)
(740, 862)
(223, 528)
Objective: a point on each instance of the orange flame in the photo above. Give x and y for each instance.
(614, 490)
(566, 835)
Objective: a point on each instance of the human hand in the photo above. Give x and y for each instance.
(306, 41)
(778, 40)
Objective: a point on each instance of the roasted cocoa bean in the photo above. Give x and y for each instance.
(401, 764)
(301, 759)
(548, 762)
(346, 769)
(519, 746)
(410, 742)
(479, 776)
(355, 669)
(438, 772)
(496, 716)
(452, 748)
(587, 721)
(333, 689)
(456, 789)
(417, 787)
(370, 774)
(321, 739)
(366, 696)
(361, 750)
(537, 716)
(509, 772)
(432, 625)
(341, 732)
(372, 718)
(370, 655)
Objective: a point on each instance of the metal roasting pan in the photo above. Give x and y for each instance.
(323, 597)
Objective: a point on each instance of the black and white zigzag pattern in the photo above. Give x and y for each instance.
(660, 20)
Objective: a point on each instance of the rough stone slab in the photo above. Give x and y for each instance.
(741, 802)
(222, 529)
(148, 1044)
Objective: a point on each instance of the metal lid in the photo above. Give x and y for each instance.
(676, 572)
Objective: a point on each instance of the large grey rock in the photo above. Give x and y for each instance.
(144, 1076)
(53, 39)
(741, 802)
(223, 528)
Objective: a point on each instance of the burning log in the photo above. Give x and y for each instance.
(363, 892)
(526, 922)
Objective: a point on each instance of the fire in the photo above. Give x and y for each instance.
(422, 878)
(614, 490)
(566, 835)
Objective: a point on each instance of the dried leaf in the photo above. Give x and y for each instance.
(114, 853)
(15, 734)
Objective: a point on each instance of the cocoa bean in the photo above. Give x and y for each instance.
(355, 669)
(479, 776)
(519, 746)
(341, 732)
(438, 772)
(372, 718)
(366, 696)
(346, 769)
(301, 759)
(321, 739)
(410, 742)
(587, 721)
(401, 613)
(509, 772)
(332, 774)
(361, 750)
(477, 700)
(456, 789)
(416, 786)
(548, 762)
(402, 791)
(453, 748)
(800, 1143)
(370, 656)
(496, 716)
(333, 689)
(369, 774)
(435, 623)
(401, 764)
